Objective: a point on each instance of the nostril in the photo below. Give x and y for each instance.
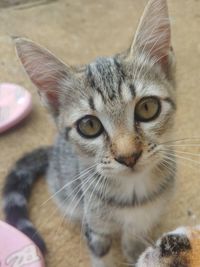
(129, 161)
(120, 160)
(137, 155)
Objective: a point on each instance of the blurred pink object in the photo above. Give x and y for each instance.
(15, 105)
(17, 250)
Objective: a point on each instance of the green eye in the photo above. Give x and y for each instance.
(147, 109)
(89, 127)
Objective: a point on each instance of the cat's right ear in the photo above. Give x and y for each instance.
(44, 70)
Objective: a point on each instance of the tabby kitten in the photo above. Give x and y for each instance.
(108, 168)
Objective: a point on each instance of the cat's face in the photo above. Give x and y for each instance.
(120, 120)
(118, 111)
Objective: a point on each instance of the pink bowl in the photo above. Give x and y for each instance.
(17, 250)
(15, 105)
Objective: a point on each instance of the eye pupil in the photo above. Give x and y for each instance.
(91, 124)
(146, 107)
(89, 127)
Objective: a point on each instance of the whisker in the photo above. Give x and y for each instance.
(73, 199)
(91, 181)
(167, 166)
(183, 145)
(183, 152)
(63, 202)
(86, 171)
(180, 157)
(168, 158)
(180, 140)
(83, 220)
(87, 208)
(95, 187)
(50, 216)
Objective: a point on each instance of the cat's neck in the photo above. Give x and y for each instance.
(138, 188)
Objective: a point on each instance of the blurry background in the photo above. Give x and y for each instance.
(77, 32)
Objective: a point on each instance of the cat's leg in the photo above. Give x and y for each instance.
(132, 245)
(100, 246)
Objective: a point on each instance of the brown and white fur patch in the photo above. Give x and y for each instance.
(180, 248)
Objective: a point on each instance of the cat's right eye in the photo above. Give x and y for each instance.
(89, 127)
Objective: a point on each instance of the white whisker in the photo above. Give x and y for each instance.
(88, 180)
(183, 152)
(84, 172)
(180, 140)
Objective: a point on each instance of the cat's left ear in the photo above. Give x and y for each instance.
(153, 36)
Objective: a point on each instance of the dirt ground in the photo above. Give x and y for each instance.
(77, 32)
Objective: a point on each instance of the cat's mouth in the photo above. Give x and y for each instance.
(121, 170)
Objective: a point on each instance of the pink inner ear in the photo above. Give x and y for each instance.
(44, 70)
(48, 87)
(53, 99)
(153, 35)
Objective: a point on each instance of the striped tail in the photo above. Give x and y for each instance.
(17, 190)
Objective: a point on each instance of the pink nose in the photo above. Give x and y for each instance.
(129, 161)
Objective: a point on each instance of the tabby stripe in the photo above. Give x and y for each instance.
(121, 75)
(133, 90)
(67, 130)
(107, 79)
(91, 103)
(92, 83)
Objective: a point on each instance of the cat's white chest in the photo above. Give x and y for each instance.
(141, 218)
(138, 186)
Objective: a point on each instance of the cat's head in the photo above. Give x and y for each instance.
(180, 248)
(116, 110)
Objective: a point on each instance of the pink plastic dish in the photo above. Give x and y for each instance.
(15, 105)
(17, 250)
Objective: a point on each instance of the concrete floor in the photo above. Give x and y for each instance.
(78, 31)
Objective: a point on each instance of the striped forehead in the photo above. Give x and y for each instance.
(107, 80)
(104, 77)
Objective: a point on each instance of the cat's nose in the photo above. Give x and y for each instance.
(129, 161)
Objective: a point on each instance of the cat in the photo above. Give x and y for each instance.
(109, 168)
(180, 248)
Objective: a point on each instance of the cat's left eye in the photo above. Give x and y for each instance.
(147, 109)
(89, 127)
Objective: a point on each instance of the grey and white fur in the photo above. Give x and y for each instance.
(121, 180)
